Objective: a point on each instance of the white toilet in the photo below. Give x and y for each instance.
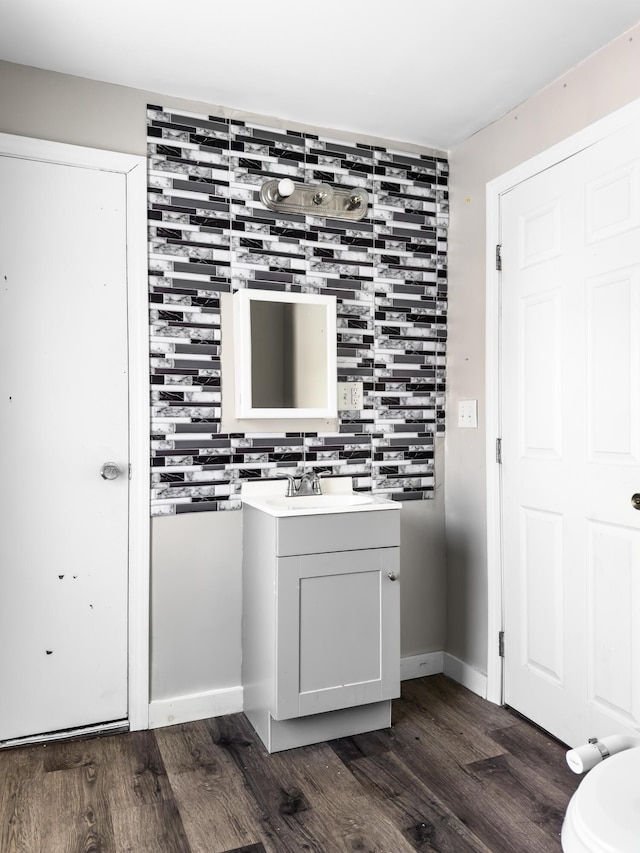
(603, 815)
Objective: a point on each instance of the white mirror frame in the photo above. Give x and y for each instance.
(242, 300)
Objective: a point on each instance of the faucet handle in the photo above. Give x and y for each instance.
(291, 485)
(316, 484)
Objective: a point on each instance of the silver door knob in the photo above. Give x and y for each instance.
(635, 500)
(393, 576)
(110, 471)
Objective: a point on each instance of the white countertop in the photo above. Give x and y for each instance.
(337, 497)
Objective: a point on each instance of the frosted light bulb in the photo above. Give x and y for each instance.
(285, 187)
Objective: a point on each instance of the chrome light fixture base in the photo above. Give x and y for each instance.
(314, 199)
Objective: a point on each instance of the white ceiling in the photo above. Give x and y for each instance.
(431, 72)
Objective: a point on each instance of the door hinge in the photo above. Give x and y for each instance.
(499, 451)
(498, 257)
(129, 470)
(501, 643)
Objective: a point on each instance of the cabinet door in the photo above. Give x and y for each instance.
(338, 631)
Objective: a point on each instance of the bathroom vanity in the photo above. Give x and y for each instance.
(321, 613)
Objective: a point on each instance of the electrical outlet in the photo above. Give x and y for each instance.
(468, 414)
(350, 396)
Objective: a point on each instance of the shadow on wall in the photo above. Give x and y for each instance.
(424, 578)
(466, 614)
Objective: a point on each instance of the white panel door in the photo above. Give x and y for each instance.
(571, 442)
(64, 412)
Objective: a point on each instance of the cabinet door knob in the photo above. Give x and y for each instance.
(393, 576)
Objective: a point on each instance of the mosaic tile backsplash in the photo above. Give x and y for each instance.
(209, 234)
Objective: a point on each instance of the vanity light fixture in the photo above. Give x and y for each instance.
(314, 199)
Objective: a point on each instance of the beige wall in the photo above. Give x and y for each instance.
(70, 109)
(196, 611)
(602, 83)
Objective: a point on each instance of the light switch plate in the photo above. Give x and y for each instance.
(350, 396)
(468, 414)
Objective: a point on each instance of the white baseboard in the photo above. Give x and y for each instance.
(466, 675)
(215, 703)
(195, 706)
(415, 666)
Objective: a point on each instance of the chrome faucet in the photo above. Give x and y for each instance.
(309, 485)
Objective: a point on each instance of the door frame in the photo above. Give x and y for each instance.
(493, 330)
(133, 167)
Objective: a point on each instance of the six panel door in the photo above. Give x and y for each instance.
(571, 442)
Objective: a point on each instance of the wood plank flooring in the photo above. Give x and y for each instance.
(453, 774)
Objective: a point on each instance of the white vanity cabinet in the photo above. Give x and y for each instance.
(321, 623)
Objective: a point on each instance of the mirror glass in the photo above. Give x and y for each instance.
(288, 361)
(286, 355)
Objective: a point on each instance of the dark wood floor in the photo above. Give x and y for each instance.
(453, 774)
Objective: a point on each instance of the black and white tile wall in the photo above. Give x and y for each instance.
(210, 234)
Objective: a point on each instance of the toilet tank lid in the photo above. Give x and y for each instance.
(606, 807)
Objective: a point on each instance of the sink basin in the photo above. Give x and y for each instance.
(319, 501)
(338, 497)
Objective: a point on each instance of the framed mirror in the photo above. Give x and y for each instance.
(285, 355)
